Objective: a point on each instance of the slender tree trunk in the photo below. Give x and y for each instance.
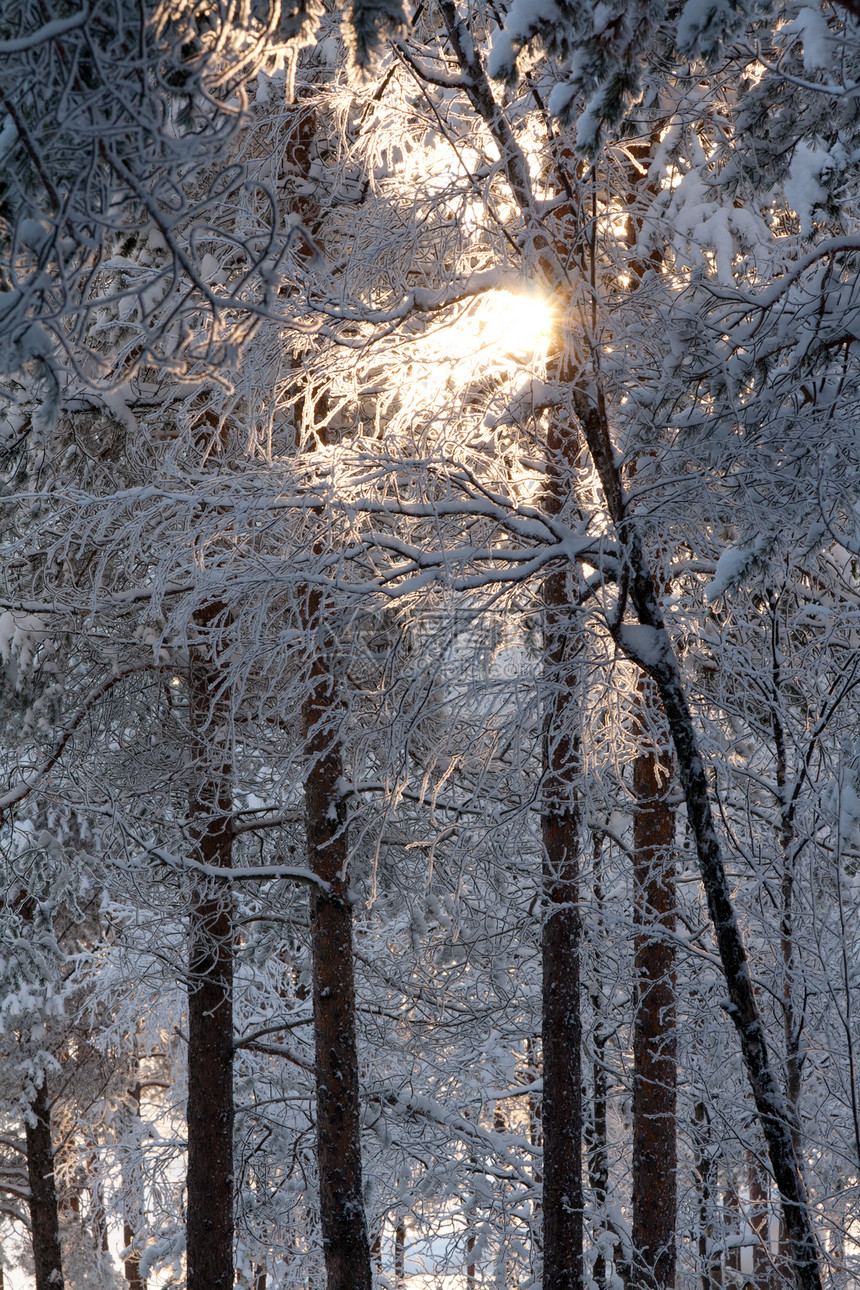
(534, 1133)
(100, 1219)
(209, 1212)
(131, 1265)
(376, 1248)
(792, 1024)
(562, 933)
(597, 1140)
(44, 1210)
(43, 1202)
(709, 1251)
(133, 1201)
(344, 1227)
(399, 1250)
(732, 1223)
(655, 1152)
(649, 645)
(759, 1221)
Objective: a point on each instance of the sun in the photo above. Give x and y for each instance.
(516, 323)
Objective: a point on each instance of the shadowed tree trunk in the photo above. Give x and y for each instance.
(209, 1182)
(344, 1227)
(44, 1210)
(43, 1203)
(400, 1251)
(709, 1251)
(134, 1205)
(759, 1221)
(655, 1153)
(596, 1130)
(561, 1111)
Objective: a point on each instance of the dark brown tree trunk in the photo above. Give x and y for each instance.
(44, 1210)
(534, 1133)
(759, 1221)
(344, 1227)
(792, 1024)
(131, 1265)
(376, 1248)
(655, 1152)
(561, 1111)
(209, 1182)
(597, 1133)
(732, 1224)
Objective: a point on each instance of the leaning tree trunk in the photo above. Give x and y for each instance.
(649, 645)
(562, 932)
(44, 1210)
(209, 1182)
(655, 1151)
(344, 1227)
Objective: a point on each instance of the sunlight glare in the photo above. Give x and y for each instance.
(517, 323)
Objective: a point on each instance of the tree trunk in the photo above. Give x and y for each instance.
(597, 1140)
(710, 1252)
(44, 1210)
(399, 1250)
(655, 1152)
(344, 1228)
(792, 1024)
(733, 1222)
(561, 936)
(209, 1213)
(134, 1205)
(649, 645)
(759, 1221)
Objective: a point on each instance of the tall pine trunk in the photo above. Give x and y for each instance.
(596, 1129)
(655, 1152)
(562, 933)
(44, 1210)
(344, 1227)
(209, 1182)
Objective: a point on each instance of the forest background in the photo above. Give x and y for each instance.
(429, 639)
